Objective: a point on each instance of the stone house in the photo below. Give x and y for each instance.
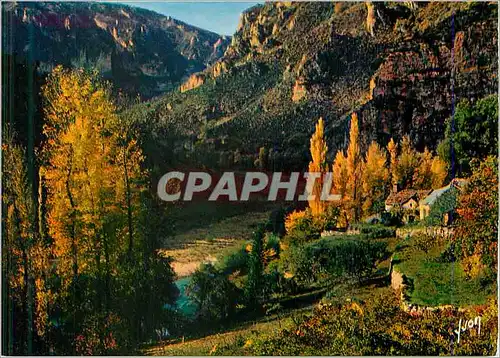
(406, 201)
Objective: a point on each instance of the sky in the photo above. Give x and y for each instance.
(218, 17)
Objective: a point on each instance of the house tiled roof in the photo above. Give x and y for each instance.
(403, 196)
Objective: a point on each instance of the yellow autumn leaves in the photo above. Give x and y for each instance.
(364, 181)
(89, 165)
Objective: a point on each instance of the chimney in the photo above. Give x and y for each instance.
(395, 188)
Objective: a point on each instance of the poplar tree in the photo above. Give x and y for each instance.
(354, 170)
(375, 179)
(407, 163)
(392, 148)
(318, 164)
(339, 169)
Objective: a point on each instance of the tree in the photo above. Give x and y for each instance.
(96, 199)
(25, 256)
(254, 287)
(339, 169)
(262, 160)
(472, 134)
(423, 176)
(375, 179)
(392, 148)
(439, 172)
(214, 295)
(370, 17)
(354, 165)
(318, 164)
(476, 233)
(407, 163)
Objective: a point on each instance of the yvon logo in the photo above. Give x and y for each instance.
(468, 324)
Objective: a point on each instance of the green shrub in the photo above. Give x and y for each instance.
(391, 218)
(346, 258)
(333, 259)
(234, 261)
(376, 231)
(423, 242)
(215, 296)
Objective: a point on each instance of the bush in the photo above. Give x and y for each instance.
(215, 296)
(234, 261)
(276, 221)
(391, 219)
(424, 242)
(295, 263)
(301, 227)
(332, 259)
(379, 327)
(346, 258)
(327, 220)
(377, 231)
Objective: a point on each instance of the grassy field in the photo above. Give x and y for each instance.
(219, 229)
(237, 335)
(245, 332)
(294, 309)
(437, 282)
(205, 230)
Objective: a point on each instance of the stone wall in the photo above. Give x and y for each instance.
(397, 284)
(434, 231)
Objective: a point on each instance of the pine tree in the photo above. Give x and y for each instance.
(254, 286)
(318, 164)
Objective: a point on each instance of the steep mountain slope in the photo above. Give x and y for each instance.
(141, 51)
(398, 65)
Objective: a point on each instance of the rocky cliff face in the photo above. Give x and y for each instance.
(141, 51)
(400, 66)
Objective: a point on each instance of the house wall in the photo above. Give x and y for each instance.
(410, 204)
(424, 211)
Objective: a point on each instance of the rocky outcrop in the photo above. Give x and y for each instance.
(194, 81)
(149, 52)
(219, 68)
(299, 91)
(289, 64)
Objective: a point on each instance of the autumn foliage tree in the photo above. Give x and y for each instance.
(392, 148)
(439, 170)
(25, 255)
(407, 164)
(318, 164)
(375, 179)
(476, 234)
(95, 201)
(354, 168)
(339, 169)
